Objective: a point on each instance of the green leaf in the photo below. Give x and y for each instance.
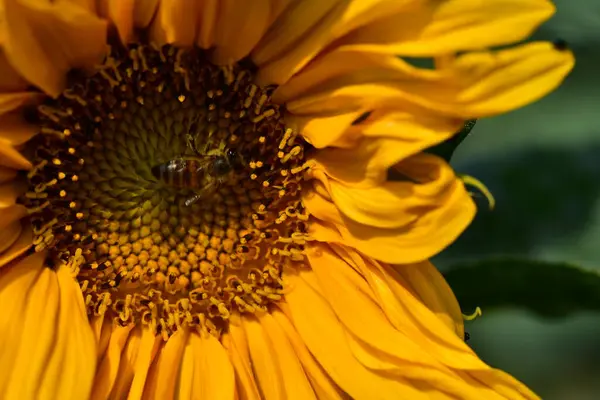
(547, 289)
(447, 147)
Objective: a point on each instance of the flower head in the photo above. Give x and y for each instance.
(204, 210)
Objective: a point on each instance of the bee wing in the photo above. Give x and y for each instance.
(176, 165)
(180, 164)
(204, 163)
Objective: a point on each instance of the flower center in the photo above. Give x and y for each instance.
(171, 186)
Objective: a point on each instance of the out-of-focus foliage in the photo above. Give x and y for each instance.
(546, 289)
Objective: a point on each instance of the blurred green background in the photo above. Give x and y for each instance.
(542, 163)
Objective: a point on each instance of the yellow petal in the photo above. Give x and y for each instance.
(382, 346)
(296, 382)
(508, 79)
(136, 357)
(7, 174)
(322, 384)
(325, 131)
(102, 328)
(10, 157)
(186, 378)
(164, 372)
(127, 15)
(208, 24)
(423, 223)
(13, 101)
(472, 85)
(345, 64)
(48, 336)
(262, 353)
(278, 7)
(348, 79)
(411, 303)
(295, 21)
(326, 338)
(44, 40)
(149, 345)
(433, 291)
(174, 23)
(10, 80)
(15, 130)
(143, 12)
(9, 234)
(120, 13)
(17, 284)
(408, 313)
(19, 246)
(106, 375)
(237, 346)
(184, 23)
(214, 377)
(353, 302)
(240, 27)
(504, 384)
(9, 192)
(433, 27)
(128, 358)
(79, 352)
(11, 226)
(306, 27)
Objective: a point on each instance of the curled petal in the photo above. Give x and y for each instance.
(323, 131)
(471, 85)
(384, 139)
(397, 222)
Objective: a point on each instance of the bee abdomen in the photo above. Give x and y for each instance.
(178, 173)
(190, 174)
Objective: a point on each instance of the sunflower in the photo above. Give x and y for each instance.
(195, 199)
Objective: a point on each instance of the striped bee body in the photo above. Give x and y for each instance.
(183, 173)
(203, 174)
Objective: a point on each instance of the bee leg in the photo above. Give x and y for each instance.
(192, 200)
(190, 141)
(208, 189)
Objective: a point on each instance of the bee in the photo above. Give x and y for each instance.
(202, 173)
